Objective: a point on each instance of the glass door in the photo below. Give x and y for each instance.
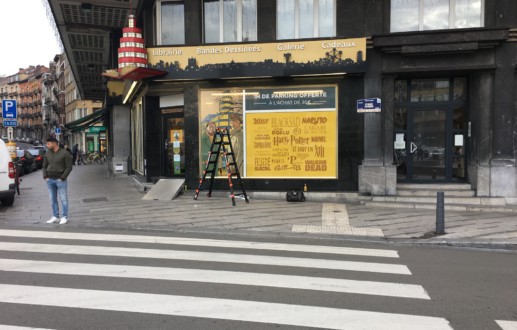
(174, 144)
(427, 144)
(430, 130)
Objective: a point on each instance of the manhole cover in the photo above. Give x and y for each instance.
(96, 199)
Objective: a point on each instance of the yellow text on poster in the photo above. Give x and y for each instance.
(291, 144)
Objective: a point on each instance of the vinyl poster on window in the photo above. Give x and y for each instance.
(275, 132)
(291, 132)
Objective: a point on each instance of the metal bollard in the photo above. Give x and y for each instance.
(440, 214)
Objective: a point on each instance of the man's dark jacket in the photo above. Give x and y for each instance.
(57, 165)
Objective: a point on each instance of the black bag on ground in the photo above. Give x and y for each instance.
(295, 196)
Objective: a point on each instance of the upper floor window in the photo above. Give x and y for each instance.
(230, 20)
(420, 15)
(305, 19)
(170, 22)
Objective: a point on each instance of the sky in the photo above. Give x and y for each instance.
(27, 36)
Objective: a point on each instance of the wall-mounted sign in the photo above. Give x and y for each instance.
(96, 129)
(260, 59)
(320, 98)
(369, 105)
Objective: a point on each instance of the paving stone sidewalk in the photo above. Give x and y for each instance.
(99, 201)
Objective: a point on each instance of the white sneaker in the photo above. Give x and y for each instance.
(63, 220)
(53, 220)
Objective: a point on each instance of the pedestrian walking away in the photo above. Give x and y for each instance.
(57, 165)
(75, 150)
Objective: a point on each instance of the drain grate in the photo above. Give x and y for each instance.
(95, 199)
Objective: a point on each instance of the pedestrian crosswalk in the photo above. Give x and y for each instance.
(179, 280)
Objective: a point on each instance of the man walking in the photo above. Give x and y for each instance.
(57, 165)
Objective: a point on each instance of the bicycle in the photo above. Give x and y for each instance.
(94, 157)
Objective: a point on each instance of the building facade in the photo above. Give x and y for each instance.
(285, 77)
(26, 87)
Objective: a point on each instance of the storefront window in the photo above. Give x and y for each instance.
(137, 133)
(400, 118)
(420, 15)
(429, 90)
(305, 19)
(287, 132)
(459, 89)
(400, 92)
(230, 20)
(170, 22)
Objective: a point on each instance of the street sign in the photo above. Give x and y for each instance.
(10, 133)
(369, 105)
(10, 123)
(57, 130)
(9, 114)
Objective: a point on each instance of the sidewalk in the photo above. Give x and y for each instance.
(98, 201)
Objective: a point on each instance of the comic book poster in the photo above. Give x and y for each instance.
(221, 109)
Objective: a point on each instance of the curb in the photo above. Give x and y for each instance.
(506, 246)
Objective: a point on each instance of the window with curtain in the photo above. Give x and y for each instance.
(298, 19)
(421, 15)
(170, 22)
(230, 20)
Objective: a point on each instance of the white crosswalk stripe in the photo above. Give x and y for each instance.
(208, 256)
(215, 276)
(321, 317)
(204, 242)
(105, 261)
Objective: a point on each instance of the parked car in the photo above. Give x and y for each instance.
(38, 156)
(26, 159)
(7, 185)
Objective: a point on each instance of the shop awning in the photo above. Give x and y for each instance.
(87, 121)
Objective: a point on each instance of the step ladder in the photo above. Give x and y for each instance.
(221, 146)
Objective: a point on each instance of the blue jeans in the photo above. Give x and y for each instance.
(57, 187)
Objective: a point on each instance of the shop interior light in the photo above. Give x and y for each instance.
(234, 93)
(299, 92)
(131, 89)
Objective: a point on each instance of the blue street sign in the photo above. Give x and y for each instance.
(10, 123)
(57, 130)
(369, 105)
(9, 109)
(9, 113)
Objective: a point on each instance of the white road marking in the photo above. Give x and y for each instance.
(13, 327)
(226, 309)
(215, 276)
(203, 242)
(507, 325)
(208, 257)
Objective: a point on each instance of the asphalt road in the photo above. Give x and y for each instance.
(67, 278)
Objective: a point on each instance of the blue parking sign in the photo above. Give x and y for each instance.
(9, 109)
(9, 113)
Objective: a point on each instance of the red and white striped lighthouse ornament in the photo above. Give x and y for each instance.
(132, 51)
(132, 56)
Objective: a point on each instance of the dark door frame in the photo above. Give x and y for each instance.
(450, 131)
(166, 114)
